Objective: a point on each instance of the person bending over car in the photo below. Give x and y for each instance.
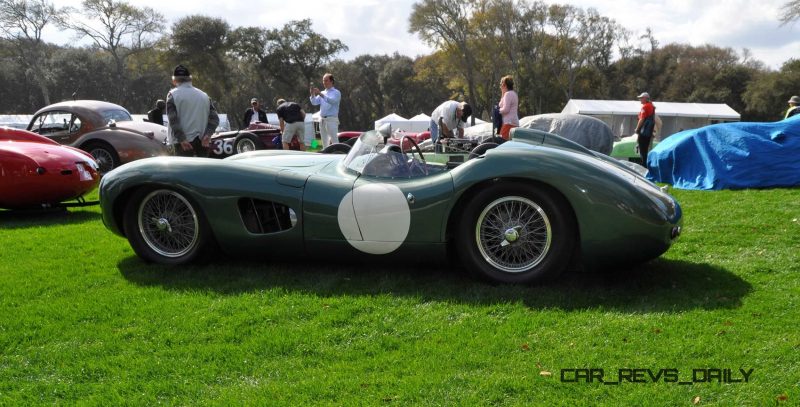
(291, 119)
(446, 118)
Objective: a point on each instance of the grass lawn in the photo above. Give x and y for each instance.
(84, 321)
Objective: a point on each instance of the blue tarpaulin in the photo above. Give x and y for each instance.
(730, 156)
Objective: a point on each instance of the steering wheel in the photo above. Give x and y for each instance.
(413, 145)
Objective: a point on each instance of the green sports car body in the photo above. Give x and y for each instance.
(517, 213)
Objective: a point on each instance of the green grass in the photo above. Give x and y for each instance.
(84, 321)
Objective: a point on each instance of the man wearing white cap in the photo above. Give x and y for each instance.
(645, 126)
(793, 110)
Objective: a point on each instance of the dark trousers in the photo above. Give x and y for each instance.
(197, 149)
(644, 147)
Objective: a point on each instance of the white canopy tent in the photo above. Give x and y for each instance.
(419, 123)
(622, 115)
(398, 122)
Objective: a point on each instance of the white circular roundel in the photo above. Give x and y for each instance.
(375, 218)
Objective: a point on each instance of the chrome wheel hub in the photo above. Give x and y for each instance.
(168, 223)
(163, 225)
(513, 234)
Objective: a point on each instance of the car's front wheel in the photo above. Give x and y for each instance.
(247, 142)
(516, 233)
(164, 226)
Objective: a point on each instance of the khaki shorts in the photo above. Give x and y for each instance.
(290, 130)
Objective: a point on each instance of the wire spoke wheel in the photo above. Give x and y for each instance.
(513, 234)
(104, 159)
(244, 145)
(168, 223)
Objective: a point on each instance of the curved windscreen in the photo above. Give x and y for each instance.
(370, 157)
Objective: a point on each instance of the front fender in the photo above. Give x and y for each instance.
(616, 210)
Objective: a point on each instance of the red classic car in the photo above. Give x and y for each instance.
(104, 130)
(417, 137)
(36, 172)
(348, 137)
(258, 136)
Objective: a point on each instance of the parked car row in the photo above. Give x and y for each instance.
(104, 130)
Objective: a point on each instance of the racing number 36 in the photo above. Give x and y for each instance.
(223, 147)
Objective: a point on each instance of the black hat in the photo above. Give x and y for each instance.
(181, 70)
(466, 111)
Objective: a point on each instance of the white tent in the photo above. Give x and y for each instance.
(398, 122)
(419, 123)
(621, 115)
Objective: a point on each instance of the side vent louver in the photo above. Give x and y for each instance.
(266, 216)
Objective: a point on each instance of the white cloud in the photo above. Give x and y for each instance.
(381, 27)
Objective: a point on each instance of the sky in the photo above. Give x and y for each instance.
(381, 26)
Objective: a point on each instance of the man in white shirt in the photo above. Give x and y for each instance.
(328, 100)
(448, 118)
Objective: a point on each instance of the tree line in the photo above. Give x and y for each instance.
(554, 52)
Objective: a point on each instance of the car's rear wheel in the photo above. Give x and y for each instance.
(516, 233)
(165, 226)
(247, 142)
(106, 157)
(481, 149)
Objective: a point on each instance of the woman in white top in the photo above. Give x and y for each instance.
(509, 106)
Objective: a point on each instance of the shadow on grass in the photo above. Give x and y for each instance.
(19, 219)
(658, 286)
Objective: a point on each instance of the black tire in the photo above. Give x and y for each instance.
(106, 157)
(247, 142)
(337, 148)
(351, 141)
(496, 140)
(516, 233)
(481, 149)
(165, 226)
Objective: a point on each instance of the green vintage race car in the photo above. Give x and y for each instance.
(517, 213)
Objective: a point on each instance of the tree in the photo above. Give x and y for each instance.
(445, 25)
(304, 51)
(117, 28)
(767, 92)
(200, 43)
(22, 22)
(791, 11)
